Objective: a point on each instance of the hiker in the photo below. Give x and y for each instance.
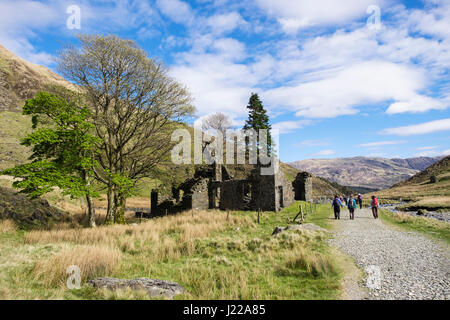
(337, 205)
(351, 207)
(360, 200)
(374, 205)
(345, 201)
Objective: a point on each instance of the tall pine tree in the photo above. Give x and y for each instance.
(258, 119)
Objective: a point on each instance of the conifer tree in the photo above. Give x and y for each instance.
(258, 119)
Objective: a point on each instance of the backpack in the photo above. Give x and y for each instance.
(375, 202)
(352, 203)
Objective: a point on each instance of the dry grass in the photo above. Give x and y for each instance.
(134, 202)
(93, 262)
(166, 238)
(233, 284)
(7, 226)
(314, 263)
(436, 201)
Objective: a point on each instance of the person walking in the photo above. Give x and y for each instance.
(374, 205)
(360, 200)
(351, 207)
(345, 201)
(337, 205)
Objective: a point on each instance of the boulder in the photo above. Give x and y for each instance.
(155, 288)
(306, 226)
(421, 212)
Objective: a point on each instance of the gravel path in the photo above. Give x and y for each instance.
(398, 264)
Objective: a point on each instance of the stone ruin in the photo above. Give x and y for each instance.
(214, 187)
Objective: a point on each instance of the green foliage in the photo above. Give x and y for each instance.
(63, 150)
(258, 118)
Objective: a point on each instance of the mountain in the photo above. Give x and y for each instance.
(421, 190)
(19, 80)
(440, 169)
(322, 188)
(365, 174)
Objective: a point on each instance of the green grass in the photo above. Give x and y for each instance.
(230, 263)
(431, 227)
(13, 127)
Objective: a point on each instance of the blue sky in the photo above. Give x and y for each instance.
(336, 82)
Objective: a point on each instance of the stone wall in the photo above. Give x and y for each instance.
(200, 195)
(234, 194)
(303, 187)
(284, 189)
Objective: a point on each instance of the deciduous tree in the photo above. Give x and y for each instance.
(135, 103)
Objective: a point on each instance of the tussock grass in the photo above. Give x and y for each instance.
(210, 255)
(314, 264)
(7, 226)
(168, 237)
(92, 261)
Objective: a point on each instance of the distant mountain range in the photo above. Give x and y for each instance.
(365, 174)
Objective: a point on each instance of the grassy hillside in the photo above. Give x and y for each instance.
(20, 80)
(420, 192)
(13, 127)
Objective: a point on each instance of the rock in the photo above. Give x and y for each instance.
(306, 226)
(278, 230)
(421, 212)
(154, 287)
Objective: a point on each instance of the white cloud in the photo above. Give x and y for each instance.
(381, 143)
(328, 152)
(178, 11)
(416, 104)
(23, 20)
(433, 153)
(18, 19)
(427, 148)
(295, 14)
(341, 93)
(422, 128)
(289, 126)
(224, 23)
(377, 155)
(313, 143)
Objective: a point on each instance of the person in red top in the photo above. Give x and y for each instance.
(374, 205)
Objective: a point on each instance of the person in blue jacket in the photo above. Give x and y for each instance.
(337, 205)
(351, 207)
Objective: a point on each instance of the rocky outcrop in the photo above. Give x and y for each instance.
(29, 214)
(154, 288)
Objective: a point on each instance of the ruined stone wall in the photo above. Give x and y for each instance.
(200, 195)
(303, 187)
(233, 195)
(285, 189)
(263, 192)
